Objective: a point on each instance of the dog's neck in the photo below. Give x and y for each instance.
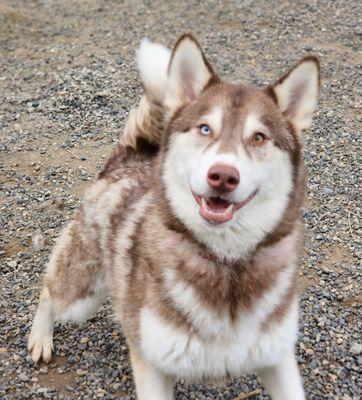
(174, 225)
(210, 256)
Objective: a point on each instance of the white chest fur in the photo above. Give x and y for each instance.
(217, 347)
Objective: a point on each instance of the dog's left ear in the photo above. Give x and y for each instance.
(188, 73)
(297, 92)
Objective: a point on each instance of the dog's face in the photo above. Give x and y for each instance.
(227, 151)
(230, 150)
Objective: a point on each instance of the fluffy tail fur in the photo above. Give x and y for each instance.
(145, 123)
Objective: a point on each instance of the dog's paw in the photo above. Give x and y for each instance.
(40, 348)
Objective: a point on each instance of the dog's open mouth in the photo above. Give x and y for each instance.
(217, 210)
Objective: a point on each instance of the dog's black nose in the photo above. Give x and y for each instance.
(223, 178)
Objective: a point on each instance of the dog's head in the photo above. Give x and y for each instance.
(231, 153)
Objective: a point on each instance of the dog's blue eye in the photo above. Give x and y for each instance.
(205, 130)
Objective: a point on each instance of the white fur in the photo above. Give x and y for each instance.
(151, 383)
(283, 381)
(100, 201)
(82, 309)
(118, 282)
(209, 322)
(213, 119)
(152, 62)
(298, 94)
(185, 170)
(253, 125)
(216, 346)
(40, 343)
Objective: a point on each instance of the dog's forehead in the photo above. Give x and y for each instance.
(237, 95)
(238, 105)
(226, 108)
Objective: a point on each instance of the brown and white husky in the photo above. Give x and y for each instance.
(193, 228)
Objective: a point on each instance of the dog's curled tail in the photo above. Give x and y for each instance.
(145, 123)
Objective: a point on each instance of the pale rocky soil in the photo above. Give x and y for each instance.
(67, 82)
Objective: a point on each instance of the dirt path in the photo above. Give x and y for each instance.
(67, 82)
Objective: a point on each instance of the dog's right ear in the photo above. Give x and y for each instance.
(188, 73)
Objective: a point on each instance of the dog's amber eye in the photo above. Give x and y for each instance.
(205, 130)
(259, 138)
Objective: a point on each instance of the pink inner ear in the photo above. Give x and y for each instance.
(296, 96)
(190, 95)
(188, 80)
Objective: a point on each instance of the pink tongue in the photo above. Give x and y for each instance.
(215, 210)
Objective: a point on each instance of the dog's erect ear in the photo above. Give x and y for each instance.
(188, 73)
(297, 92)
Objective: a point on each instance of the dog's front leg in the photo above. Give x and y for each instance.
(151, 384)
(283, 381)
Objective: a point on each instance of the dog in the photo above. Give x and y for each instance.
(192, 228)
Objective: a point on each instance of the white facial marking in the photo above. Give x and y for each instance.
(253, 125)
(185, 171)
(213, 119)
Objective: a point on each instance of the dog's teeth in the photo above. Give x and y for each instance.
(229, 210)
(203, 203)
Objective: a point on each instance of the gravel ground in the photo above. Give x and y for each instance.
(67, 81)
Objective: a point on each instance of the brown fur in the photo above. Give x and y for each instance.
(75, 266)
(145, 124)
(239, 100)
(221, 287)
(126, 233)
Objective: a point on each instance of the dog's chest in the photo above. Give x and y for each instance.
(212, 345)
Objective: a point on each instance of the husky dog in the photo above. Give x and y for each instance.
(193, 228)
